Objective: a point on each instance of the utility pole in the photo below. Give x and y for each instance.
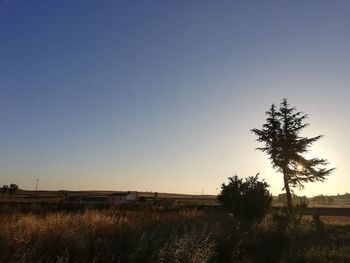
(36, 185)
(202, 196)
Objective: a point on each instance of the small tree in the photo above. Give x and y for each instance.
(5, 188)
(249, 199)
(13, 188)
(285, 147)
(155, 198)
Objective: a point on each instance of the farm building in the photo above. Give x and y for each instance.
(124, 197)
(114, 198)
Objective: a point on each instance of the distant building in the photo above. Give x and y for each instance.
(115, 198)
(124, 197)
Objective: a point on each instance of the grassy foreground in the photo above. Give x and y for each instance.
(148, 235)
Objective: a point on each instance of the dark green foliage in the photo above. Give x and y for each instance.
(285, 148)
(248, 199)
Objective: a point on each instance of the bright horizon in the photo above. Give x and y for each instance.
(161, 96)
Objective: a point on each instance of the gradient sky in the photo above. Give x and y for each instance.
(161, 95)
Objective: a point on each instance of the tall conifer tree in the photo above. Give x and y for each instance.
(286, 148)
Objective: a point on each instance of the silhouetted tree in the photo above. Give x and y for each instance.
(5, 188)
(285, 147)
(249, 199)
(155, 198)
(13, 188)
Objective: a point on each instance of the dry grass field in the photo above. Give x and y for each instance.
(151, 235)
(105, 236)
(35, 228)
(24, 196)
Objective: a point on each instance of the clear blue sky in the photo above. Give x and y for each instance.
(161, 95)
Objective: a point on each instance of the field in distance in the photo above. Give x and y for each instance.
(43, 196)
(25, 196)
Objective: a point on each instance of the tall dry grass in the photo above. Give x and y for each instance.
(147, 235)
(105, 236)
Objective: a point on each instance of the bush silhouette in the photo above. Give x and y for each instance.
(248, 199)
(13, 188)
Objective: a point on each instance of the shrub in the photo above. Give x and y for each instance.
(248, 199)
(194, 246)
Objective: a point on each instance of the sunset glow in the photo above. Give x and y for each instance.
(300, 167)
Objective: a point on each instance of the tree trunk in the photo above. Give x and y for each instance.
(288, 194)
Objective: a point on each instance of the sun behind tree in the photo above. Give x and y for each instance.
(285, 147)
